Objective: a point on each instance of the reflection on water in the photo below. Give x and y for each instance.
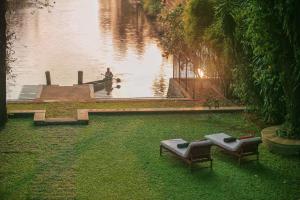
(159, 84)
(89, 36)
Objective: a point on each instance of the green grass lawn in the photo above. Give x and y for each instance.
(69, 109)
(117, 157)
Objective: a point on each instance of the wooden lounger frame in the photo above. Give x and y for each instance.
(246, 149)
(196, 155)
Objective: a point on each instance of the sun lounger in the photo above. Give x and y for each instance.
(198, 151)
(240, 148)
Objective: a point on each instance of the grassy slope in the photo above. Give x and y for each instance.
(67, 109)
(117, 157)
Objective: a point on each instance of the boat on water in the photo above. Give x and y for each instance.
(104, 84)
(100, 84)
(96, 82)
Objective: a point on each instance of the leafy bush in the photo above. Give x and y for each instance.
(252, 45)
(152, 7)
(173, 32)
(198, 16)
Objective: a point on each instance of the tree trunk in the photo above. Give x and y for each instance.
(3, 110)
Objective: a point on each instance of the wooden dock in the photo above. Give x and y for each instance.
(57, 93)
(66, 93)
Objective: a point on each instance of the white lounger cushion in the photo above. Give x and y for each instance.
(183, 152)
(172, 146)
(218, 139)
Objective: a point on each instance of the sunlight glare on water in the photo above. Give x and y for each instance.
(89, 36)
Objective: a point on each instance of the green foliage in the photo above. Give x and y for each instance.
(173, 31)
(244, 86)
(272, 95)
(252, 45)
(270, 40)
(225, 10)
(152, 7)
(198, 15)
(219, 38)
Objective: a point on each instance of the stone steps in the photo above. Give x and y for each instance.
(39, 117)
(59, 121)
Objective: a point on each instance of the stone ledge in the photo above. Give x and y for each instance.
(21, 113)
(278, 144)
(97, 100)
(82, 116)
(39, 116)
(168, 110)
(60, 121)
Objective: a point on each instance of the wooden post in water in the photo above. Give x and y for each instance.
(48, 78)
(80, 77)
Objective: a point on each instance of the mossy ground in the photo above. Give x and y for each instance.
(69, 109)
(117, 157)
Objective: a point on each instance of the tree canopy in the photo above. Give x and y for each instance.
(254, 47)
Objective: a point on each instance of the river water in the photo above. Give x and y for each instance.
(88, 35)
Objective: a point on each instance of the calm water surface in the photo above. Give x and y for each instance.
(88, 35)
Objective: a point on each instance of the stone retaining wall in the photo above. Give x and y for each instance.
(278, 144)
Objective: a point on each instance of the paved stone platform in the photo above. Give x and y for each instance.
(66, 93)
(30, 92)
